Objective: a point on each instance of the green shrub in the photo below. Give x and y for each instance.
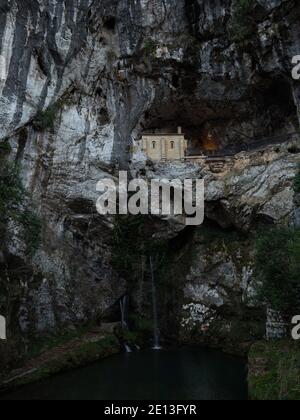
(278, 266)
(11, 190)
(32, 227)
(150, 47)
(242, 25)
(13, 206)
(133, 243)
(274, 371)
(45, 119)
(143, 324)
(5, 148)
(297, 181)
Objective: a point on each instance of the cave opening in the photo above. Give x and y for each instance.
(275, 107)
(217, 229)
(267, 113)
(182, 239)
(110, 24)
(192, 120)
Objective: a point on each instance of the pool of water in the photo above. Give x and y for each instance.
(179, 374)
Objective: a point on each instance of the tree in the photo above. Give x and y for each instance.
(278, 267)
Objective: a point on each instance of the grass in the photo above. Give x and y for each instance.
(61, 361)
(274, 371)
(44, 344)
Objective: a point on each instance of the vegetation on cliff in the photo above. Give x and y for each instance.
(56, 355)
(133, 244)
(11, 191)
(274, 371)
(243, 24)
(45, 119)
(14, 204)
(297, 181)
(278, 267)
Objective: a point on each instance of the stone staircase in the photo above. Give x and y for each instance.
(217, 165)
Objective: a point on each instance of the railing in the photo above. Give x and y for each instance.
(245, 147)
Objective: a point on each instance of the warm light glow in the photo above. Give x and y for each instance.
(210, 143)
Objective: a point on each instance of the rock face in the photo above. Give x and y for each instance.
(219, 295)
(80, 81)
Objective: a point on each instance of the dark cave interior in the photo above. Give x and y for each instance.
(212, 126)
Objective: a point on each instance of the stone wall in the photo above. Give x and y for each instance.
(164, 147)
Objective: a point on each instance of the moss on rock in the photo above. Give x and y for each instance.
(274, 371)
(75, 353)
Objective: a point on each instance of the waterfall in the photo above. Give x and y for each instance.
(127, 348)
(123, 307)
(155, 314)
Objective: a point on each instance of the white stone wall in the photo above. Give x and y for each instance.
(164, 147)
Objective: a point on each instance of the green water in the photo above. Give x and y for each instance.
(181, 374)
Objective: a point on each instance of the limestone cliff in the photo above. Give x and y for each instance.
(80, 81)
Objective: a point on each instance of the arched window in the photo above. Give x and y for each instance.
(172, 145)
(154, 145)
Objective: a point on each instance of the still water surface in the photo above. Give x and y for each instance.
(179, 374)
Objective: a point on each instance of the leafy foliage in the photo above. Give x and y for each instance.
(45, 119)
(243, 24)
(11, 190)
(275, 371)
(5, 148)
(13, 205)
(132, 242)
(150, 47)
(278, 267)
(32, 230)
(297, 181)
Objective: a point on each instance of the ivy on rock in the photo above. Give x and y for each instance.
(278, 266)
(14, 204)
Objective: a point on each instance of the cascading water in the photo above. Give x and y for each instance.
(155, 313)
(127, 348)
(123, 307)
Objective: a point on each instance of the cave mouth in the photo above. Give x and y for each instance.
(194, 121)
(110, 24)
(268, 114)
(212, 226)
(276, 108)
